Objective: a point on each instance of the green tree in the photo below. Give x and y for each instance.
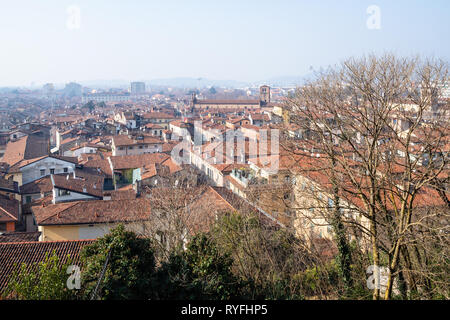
(202, 271)
(130, 266)
(90, 105)
(47, 280)
(212, 90)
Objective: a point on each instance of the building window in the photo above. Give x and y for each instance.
(28, 199)
(330, 203)
(63, 192)
(52, 171)
(66, 170)
(42, 172)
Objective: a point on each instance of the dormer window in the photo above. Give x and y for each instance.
(63, 193)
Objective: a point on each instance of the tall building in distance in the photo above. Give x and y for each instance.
(137, 88)
(264, 95)
(73, 90)
(48, 89)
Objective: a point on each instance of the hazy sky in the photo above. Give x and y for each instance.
(41, 41)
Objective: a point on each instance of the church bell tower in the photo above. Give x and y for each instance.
(264, 95)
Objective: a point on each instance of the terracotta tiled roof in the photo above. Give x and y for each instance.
(137, 161)
(153, 126)
(244, 207)
(19, 236)
(99, 164)
(25, 148)
(157, 115)
(150, 171)
(9, 209)
(250, 126)
(42, 185)
(87, 184)
(13, 254)
(204, 209)
(122, 194)
(260, 116)
(94, 211)
(123, 140)
(173, 167)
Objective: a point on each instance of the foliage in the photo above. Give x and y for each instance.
(90, 105)
(129, 270)
(212, 90)
(202, 271)
(266, 258)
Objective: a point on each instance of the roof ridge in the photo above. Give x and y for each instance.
(59, 212)
(53, 241)
(9, 214)
(215, 191)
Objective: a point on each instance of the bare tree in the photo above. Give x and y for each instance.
(377, 128)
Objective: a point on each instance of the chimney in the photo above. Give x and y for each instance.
(84, 189)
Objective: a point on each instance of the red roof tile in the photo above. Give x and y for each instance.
(13, 254)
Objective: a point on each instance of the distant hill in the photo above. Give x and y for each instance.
(196, 83)
(284, 81)
(189, 82)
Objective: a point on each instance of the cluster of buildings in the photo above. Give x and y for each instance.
(69, 176)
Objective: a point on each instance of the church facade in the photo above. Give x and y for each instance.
(237, 104)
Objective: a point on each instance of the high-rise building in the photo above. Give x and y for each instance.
(73, 89)
(48, 89)
(137, 88)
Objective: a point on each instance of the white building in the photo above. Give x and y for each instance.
(126, 145)
(30, 170)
